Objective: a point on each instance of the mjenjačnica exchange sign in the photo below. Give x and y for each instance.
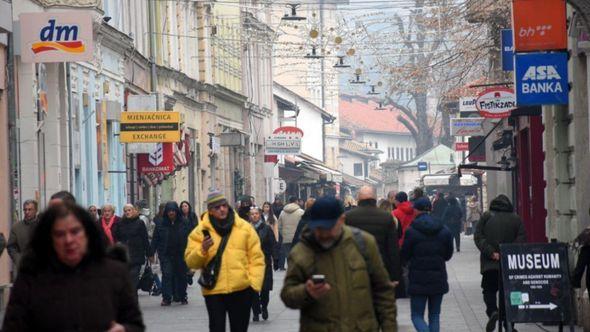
(150, 127)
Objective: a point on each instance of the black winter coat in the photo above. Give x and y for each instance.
(497, 226)
(133, 234)
(427, 247)
(164, 227)
(381, 225)
(269, 248)
(582, 265)
(452, 216)
(59, 298)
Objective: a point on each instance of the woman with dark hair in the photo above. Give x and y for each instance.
(187, 212)
(131, 232)
(269, 248)
(66, 282)
(270, 218)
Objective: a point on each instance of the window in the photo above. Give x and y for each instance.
(397, 154)
(408, 154)
(376, 145)
(388, 153)
(358, 169)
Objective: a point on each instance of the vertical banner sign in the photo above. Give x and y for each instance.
(56, 37)
(536, 282)
(541, 79)
(507, 50)
(539, 25)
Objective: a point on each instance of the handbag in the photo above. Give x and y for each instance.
(208, 277)
(147, 279)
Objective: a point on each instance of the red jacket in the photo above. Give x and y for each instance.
(405, 214)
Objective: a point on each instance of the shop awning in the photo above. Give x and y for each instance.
(445, 180)
(355, 182)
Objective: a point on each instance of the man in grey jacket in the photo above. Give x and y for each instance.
(497, 226)
(21, 232)
(288, 221)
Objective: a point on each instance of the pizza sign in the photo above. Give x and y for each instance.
(496, 103)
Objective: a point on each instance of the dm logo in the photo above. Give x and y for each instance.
(55, 37)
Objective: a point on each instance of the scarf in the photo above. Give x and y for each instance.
(223, 227)
(107, 227)
(258, 223)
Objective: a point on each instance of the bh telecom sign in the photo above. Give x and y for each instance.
(56, 37)
(150, 127)
(541, 79)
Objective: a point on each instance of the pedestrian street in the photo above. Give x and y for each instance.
(463, 309)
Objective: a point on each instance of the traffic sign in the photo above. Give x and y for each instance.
(536, 282)
(422, 166)
(541, 79)
(150, 127)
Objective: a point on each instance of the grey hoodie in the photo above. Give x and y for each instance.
(288, 221)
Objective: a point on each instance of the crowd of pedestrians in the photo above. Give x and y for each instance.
(80, 268)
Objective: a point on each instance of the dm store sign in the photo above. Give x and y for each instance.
(541, 79)
(56, 37)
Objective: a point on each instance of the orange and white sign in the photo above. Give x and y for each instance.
(539, 25)
(56, 37)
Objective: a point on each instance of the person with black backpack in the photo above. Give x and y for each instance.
(336, 277)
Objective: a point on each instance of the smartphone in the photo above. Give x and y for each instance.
(318, 279)
(206, 233)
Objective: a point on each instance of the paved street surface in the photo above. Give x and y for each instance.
(463, 308)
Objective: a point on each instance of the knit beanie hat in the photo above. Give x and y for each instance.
(215, 196)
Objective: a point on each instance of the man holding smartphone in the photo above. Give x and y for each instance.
(227, 249)
(336, 276)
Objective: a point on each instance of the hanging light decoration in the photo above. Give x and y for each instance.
(340, 63)
(372, 92)
(313, 54)
(293, 16)
(380, 107)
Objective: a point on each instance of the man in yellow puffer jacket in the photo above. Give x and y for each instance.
(241, 270)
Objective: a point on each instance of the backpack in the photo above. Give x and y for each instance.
(361, 245)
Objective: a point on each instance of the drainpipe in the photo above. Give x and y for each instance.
(13, 147)
(70, 128)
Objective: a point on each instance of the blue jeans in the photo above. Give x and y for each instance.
(418, 306)
(284, 254)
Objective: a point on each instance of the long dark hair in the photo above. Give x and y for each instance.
(271, 215)
(41, 251)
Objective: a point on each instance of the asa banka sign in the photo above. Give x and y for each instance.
(536, 282)
(56, 37)
(541, 79)
(284, 140)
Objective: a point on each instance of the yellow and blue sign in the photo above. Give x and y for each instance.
(541, 78)
(507, 50)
